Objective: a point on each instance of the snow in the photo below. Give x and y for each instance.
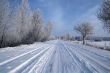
(100, 43)
(97, 44)
(54, 57)
(105, 45)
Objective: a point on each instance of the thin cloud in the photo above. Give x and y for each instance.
(58, 22)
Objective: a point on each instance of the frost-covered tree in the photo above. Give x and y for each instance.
(46, 32)
(35, 33)
(23, 19)
(21, 25)
(2, 10)
(37, 25)
(13, 37)
(104, 14)
(4, 21)
(49, 30)
(67, 36)
(85, 29)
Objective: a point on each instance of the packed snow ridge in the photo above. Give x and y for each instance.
(54, 57)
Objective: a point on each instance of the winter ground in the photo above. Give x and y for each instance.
(54, 57)
(97, 44)
(103, 44)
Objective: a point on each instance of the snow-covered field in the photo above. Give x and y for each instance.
(97, 44)
(100, 44)
(54, 57)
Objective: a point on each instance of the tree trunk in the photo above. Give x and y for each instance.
(83, 40)
(2, 42)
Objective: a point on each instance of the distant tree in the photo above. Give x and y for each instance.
(104, 14)
(85, 29)
(49, 29)
(67, 36)
(46, 32)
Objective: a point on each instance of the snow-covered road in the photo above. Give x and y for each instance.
(54, 57)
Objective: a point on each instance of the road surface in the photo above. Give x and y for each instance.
(54, 57)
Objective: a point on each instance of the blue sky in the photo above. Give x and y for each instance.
(65, 14)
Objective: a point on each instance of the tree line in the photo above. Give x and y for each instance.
(21, 24)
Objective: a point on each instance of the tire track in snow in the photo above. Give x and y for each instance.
(89, 50)
(80, 65)
(66, 58)
(100, 67)
(84, 64)
(66, 62)
(36, 62)
(41, 64)
(97, 64)
(52, 64)
(12, 59)
(28, 62)
(16, 62)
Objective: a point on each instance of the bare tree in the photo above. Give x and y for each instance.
(104, 14)
(85, 29)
